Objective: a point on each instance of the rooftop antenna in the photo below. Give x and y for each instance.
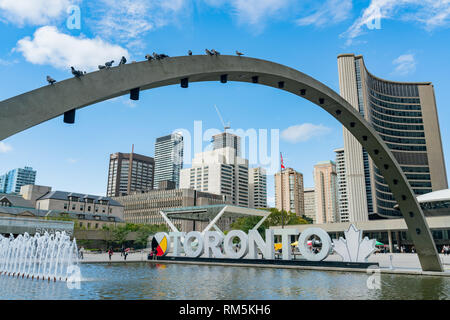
(225, 127)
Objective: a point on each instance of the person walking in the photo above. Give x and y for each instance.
(82, 253)
(110, 253)
(445, 250)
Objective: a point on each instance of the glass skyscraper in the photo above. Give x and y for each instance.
(11, 181)
(168, 159)
(226, 139)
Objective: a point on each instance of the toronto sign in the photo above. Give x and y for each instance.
(214, 244)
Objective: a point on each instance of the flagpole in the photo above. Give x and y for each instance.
(281, 188)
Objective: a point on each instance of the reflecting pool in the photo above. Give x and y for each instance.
(176, 281)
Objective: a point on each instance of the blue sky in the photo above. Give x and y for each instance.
(412, 44)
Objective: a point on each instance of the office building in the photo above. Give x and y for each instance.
(37, 203)
(146, 207)
(257, 187)
(129, 172)
(168, 159)
(326, 195)
(220, 172)
(226, 139)
(12, 181)
(289, 191)
(404, 115)
(309, 197)
(167, 185)
(33, 192)
(342, 185)
(80, 204)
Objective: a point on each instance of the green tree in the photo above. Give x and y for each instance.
(247, 223)
(144, 231)
(275, 218)
(120, 234)
(308, 219)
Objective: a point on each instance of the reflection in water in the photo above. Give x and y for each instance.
(174, 281)
(423, 288)
(24, 289)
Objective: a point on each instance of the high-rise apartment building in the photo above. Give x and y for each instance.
(12, 181)
(404, 115)
(257, 187)
(325, 184)
(129, 172)
(342, 185)
(226, 139)
(289, 191)
(220, 172)
(168, 159)
(310, 203)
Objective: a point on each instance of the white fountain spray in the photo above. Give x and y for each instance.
(46, 257)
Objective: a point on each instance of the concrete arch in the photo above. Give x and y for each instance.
(34, 107)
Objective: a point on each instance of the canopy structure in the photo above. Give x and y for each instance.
(434, 204)
(211, 214)
(435, 196)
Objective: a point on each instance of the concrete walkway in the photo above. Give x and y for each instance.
(403, 263)
(116, 257)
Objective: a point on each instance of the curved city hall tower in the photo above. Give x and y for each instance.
(404, 115)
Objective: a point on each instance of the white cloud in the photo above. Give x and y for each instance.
(405, 64)
(129, 103)
(128, 19)
(33, 12)
(255, 11)
(331, 12)
(304, 132)
(429, 13)
(51, 47)
(5, 63)
(4, 147)
(72, 160)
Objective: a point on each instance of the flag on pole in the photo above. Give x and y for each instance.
(282, 163)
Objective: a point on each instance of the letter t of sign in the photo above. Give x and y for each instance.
(176, 236)
(285, 240)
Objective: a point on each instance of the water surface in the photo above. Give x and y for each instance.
(158, 281)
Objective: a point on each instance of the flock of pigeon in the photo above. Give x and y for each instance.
(154, 56)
